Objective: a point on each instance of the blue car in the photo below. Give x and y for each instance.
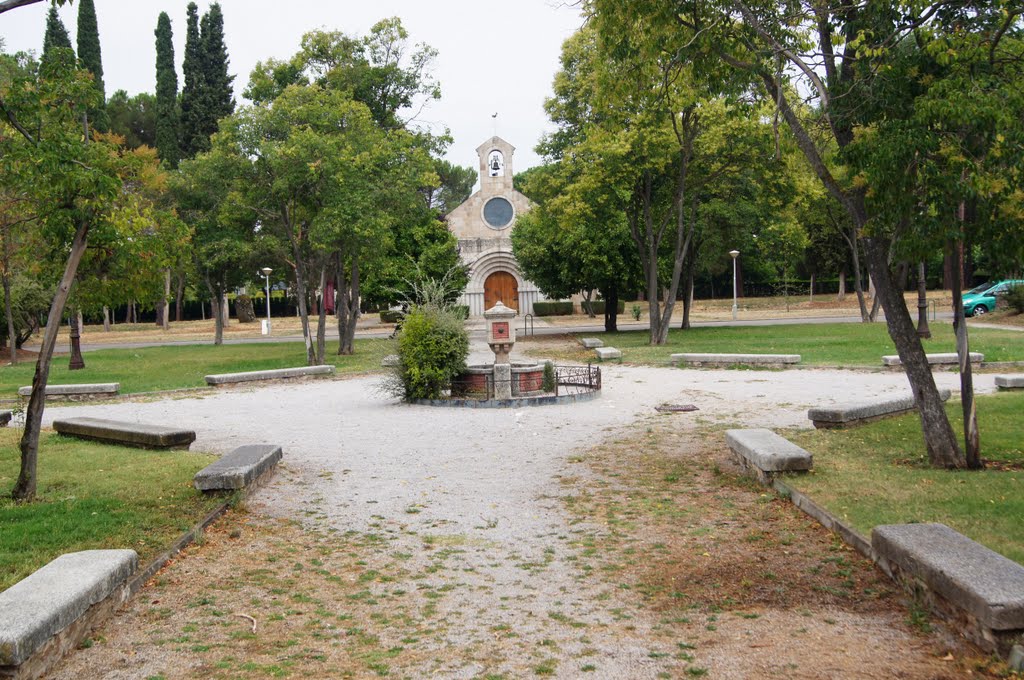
(982, 299)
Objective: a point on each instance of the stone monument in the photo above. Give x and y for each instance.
(501, 336)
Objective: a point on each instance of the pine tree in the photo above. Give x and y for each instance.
(191, 93)
(56, 36)
(90, 59)
(167, 117)
(218, 97)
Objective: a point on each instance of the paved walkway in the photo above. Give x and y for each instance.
(485, 484)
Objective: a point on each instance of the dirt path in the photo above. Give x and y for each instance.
(416, 541)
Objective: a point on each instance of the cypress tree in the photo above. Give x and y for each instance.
(56, 36)
(191, 92)
(218, 97)
(167, 120)
(90, 59)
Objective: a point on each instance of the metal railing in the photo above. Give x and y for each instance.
(528, 318)
(568, 380)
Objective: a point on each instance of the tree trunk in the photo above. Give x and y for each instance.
(611, 309)
(588, 308)
(76, 362)
(225, 310)
(106, 319)
(300, 289)
(8, 310)
(321, 326)
(922, 303)
(939, 437)
(25, 488)
(179, 292)
(842, 286)
(687, 294)
(165, 304)
(972, 438)
(348, 338)
(218, 319)
(810, 298)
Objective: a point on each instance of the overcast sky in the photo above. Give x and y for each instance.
(495, 55)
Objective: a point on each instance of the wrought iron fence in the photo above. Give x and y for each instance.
(568, 380)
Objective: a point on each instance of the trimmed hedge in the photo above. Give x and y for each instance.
(553, 308)
(598, 306)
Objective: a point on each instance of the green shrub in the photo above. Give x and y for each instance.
(432, 351)
(1015, 299)
(547, 383)
(599, 306)
(461, 311)
(636, 311)
(391, 315)
(553, 308)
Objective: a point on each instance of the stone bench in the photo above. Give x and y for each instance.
(606, 353)
(274, 374)
(591, 343)
(239, 469)
(858, 413)
(84, 390)
(5, 418)
(967, 577)
(139, 435)
(51, 611)
(695, 359)
(1010, 382)
(766, 454)
(945, 359)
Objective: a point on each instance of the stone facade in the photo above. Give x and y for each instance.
(482, 224)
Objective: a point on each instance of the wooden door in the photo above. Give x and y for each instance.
(501, 286)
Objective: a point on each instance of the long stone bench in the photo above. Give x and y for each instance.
(238, 469)
(85, 390)
(698, 359)
(942, 359)
(591, 343)
(48, 613)
(274, 374)
(607, 353)
(5, 418)
(970, 580)
(858, 413)
(139, 435)
(1010, 382)
(766, 454)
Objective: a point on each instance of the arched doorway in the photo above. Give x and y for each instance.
(501, 286)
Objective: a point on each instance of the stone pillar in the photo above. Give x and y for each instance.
(502, 381)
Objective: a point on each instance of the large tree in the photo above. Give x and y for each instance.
(836, 52)
(71, 182)
(192, 139)
(91, 59)
(133, 118)
(168, 120)
(56, 35)
(218, 96)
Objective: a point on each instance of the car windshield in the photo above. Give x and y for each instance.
(980, 289)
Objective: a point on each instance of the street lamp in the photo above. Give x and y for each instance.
(735, 254)
(266, 275)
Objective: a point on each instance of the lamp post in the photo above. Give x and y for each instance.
(266, 275)
(735, 254)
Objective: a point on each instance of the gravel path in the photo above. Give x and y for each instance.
(484, 482)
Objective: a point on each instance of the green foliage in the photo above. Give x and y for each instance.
(217, 98)
(90, 59)
(391, 315)
(134, 118)
(635, 311)
(193, 138)
(29, 303)
(168, 118)
(547, 383)
(1015, 299)
(56, 36)
(564, 308)
(598, 306)
(432, 351)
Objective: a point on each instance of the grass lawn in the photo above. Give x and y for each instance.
(878, 474)
(839, 344)
(95, 496)
(170, 367)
